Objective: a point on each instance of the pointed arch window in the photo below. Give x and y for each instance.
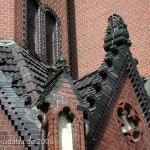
(43, 32)
(32, 12)
(65, 132)
(50, 38)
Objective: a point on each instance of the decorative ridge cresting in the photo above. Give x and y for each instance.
(104, 88)
(116, 33)
(54, 72)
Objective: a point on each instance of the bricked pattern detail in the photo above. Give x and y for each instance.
(8, 133)
(60, 8)
(42, 32)
(13, 24)
(65, 98)
(129, 121)
(112, 136)
(17, 27)
(78, 129)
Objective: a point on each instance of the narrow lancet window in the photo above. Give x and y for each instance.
(65, 132)
(50, 38)
(32, 12)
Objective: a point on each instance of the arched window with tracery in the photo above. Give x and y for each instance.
(128, 119)
(43, 32)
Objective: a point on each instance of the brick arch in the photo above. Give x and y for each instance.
(43, 8)
(78, 126)
(71, 107)
(47, 7)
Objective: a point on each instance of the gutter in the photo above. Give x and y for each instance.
(43, 119)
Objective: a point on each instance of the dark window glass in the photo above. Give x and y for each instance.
(31, 25)
(50, 38)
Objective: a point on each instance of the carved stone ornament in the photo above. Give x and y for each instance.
(60, 64)
(26, 99)
(14, 78)
(3, 60)
(116, 33)
(129, 122)
(90, 99)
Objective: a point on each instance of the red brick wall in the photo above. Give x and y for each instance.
(19, 35)
(66, 98)
(7, 133)
(60, 8)
(91, 22)
(112, 137)
(12, 21)
(6, 19)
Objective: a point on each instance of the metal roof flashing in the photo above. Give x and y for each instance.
(6, 42)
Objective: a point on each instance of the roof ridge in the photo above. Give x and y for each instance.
(105, 85)
(89, 74)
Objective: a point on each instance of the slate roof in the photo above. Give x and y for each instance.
(84, 85)
(22, 80)
(23, 118)
(38, 71)
(99, 89)
(98, 92)
(59, 73)
(9, 66)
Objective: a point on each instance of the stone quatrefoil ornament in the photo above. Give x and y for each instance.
(129, 122)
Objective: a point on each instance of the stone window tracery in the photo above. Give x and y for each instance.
(128, 119)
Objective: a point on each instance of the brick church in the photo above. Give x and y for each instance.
(74, 75)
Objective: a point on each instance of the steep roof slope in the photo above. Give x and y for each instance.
(100, 88)
(22, 80)
(23, 118)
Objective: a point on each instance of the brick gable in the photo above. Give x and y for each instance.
(111, 136)
(64, 97)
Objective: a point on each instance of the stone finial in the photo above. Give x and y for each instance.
(60, 64)
(116, 33)
(56, 70)
(115, 22)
